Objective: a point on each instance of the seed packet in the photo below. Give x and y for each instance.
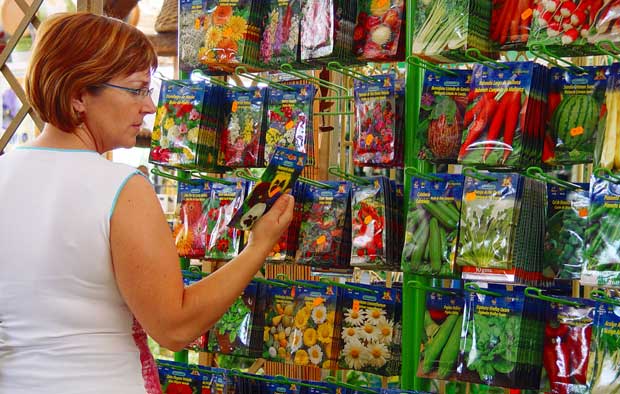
(606, 155)
(232, 334)
(443, 321)
(279, 177)
(225, 199)
(289, 120)
(217, 109)
(373, 143)
(510, 24)
(602, 254)
(323, 225)
(370, 331)
(443, 106)
(368, 212)
(279, 387)
(379, 34)
(567, 220)
(240, 139)
(317, 28)
(432, 225)
(566, 349)
(190, 229)
(300, 324)
(578, 115)
(222, 382)
(280, 32)
(285, 249)
(486, 227)
(178, 378)
(178, 123)
(192, 33)
(602, 364)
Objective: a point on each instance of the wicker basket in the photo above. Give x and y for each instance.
(167, 19)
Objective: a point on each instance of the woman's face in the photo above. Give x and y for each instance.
(114, 115)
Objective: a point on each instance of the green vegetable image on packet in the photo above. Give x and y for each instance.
(278, 178)
(604, 361)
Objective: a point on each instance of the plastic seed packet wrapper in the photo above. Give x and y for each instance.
(285, 249)
(603, 368)
(368, 211)
(178, 123)
(280, 32)
(602, 254)
(443, 321)
(240, 139)
(178, 378)
(432, 225)
(190, 229)
(379, 34)
(278, 387)
(567, 221)
(224, 241)
(278, 178)
(370, 331)
(289, 120)
(323, 225)
(317, 28)
(374, 140)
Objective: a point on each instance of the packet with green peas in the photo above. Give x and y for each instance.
(432, 225)
(567, 220)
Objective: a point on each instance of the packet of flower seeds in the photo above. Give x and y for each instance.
(222, 382)
(379, 34)
(192, 34)
(374, 138)
(289, 120)
(225, 199)
(323, 225)
(218, 107)
(285, 249)
(240, 139)
(603, 366)
(432, 225)
(279, 177)
(602, 254)
(443, 321)
(280, 32)
(368, 214)
(578, 114)
(442, 111)
(486, 227)
(567, 220)
(190, 229)
(566, 348)
(496, 125)
(177, 377)
(300, 324)
(399, 121)
(501, 338)
(232, 334)
(317, 29)
(446, 29)
(178, 124)
(371, 328)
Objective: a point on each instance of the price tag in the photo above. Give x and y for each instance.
(318, 301)
(356, 305)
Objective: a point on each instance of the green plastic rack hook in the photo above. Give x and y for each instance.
(284, 278)
(473, 173)
(474, 288)
(538, 174)
(607, 175)
(200, 175)
(480, 58)
(412, 171)
(417, 285)
(601, 296)
(243, 72)
(346, 286)
(336, 171)
(543, 52)
(269, 282)
(287, 68)
(339, 68)
(419, 62)
(534, 292)
(357, 389)
(599, 46)
(189, 181)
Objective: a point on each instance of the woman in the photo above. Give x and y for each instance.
(88, 247)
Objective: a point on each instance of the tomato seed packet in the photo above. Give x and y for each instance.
(190, 230)
(278, 178)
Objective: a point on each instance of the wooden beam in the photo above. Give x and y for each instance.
(93, 6)
(24, 6)
(19, 31)
(165, 43)
(15, 122)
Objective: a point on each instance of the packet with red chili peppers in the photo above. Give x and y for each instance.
(501, 120)
(566, 347)
(443, 321)
(379, 34)
(224, 241)
(244, 128)
(375, 135)
(432, 225)
(289, 123)
(442, 108)
(323, 225)
(190, 229)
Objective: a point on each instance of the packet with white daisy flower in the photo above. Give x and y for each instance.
(240, 139)
(190, 228)
(370, 329)
(178, 125)
(443, 320)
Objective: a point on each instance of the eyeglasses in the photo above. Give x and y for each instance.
(142, 92)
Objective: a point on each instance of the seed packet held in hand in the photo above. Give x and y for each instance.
(278, 178)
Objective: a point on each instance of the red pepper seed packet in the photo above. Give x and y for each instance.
(190, 230)
(278, 178)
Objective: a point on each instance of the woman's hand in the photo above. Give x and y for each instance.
(268, 229)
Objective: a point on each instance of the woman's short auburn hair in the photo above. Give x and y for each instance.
(79, 51)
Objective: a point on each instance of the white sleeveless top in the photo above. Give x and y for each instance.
(64, 327)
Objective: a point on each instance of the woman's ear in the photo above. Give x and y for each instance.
(78, 103)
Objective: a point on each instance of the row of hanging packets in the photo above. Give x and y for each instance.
(445, 29)
(204, 209)
(377, 224)
(379, 129)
